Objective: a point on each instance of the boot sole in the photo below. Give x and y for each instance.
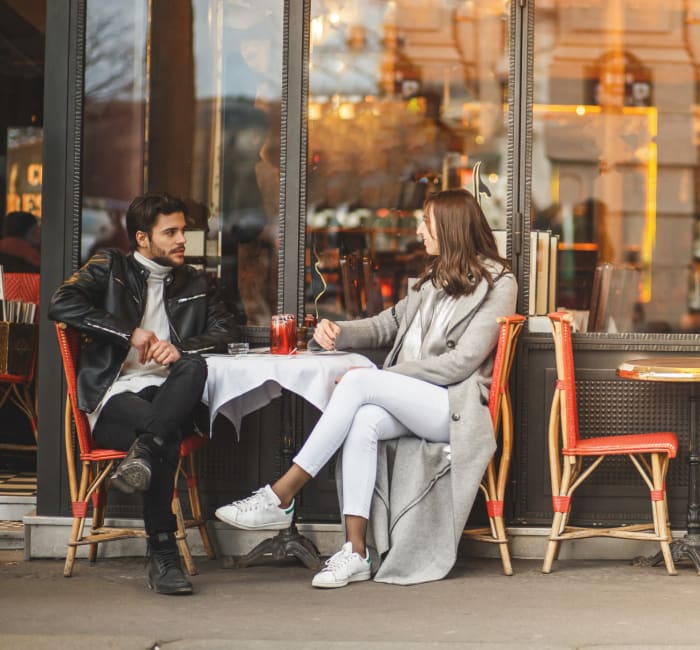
(135, 476)
(181, 591)
(116, 482)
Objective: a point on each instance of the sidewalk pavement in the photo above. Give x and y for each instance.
(582, 604)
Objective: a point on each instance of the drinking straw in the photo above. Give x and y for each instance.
(317, 268)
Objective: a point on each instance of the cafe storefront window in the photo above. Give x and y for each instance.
(615, 165)
(405, 99)
(184, 96)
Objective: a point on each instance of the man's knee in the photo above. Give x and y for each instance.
(192, 365)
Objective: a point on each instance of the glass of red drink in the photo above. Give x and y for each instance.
(283, 334)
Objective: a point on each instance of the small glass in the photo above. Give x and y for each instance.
(283, 334)
(238, 349)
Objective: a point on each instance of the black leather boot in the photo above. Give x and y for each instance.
(165, 574)
(134, 472)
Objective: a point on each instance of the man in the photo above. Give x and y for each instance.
(19, 248)
(147, 317)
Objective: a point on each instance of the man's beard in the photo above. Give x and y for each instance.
(164, 261)
(160, 257)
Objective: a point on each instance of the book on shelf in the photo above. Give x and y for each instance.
(553, 256)
(544, 249)
(599, 298)
(533, 273)
(624, 295)
(542, 280)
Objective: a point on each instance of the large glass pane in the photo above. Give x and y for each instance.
(22, 37)
(615, 170)
(406, 97)
(114, 122)
(184, 96)
(22, 44)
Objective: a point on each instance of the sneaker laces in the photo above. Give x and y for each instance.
(253, 501)
(338, 561)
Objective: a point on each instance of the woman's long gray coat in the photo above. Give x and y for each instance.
(422, 498)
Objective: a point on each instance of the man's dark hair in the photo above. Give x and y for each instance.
(144, 210)
(18, 224)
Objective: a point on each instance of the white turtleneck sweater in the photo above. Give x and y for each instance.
(135, 376)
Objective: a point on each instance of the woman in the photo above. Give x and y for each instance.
(443, 335)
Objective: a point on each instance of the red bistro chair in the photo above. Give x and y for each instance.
(96, 465)
(650, 453)
(493, 485)
(19, 389)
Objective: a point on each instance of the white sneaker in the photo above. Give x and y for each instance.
(344, 567)
(260, 511)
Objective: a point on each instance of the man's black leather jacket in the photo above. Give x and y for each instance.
(106, 299)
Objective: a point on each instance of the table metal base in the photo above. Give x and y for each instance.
(688, 547)
(288, 543)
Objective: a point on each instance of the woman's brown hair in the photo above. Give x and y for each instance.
(465, 240)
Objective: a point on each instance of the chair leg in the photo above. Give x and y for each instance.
(72, 548)
(5, 393)
(559, 519)
(564, 523)
(503, 547)
(23, 399)
(181, 537)
(181, 534)
(98, 521)
(553, 545)
(98, 515)
(661, 515)
(80, 505)
(660, 511)
(196, 506)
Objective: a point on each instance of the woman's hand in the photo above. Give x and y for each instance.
(325, 334)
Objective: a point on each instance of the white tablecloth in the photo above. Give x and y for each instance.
(240, 385)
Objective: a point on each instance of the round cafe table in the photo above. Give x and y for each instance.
(680, 370)
(238, 385)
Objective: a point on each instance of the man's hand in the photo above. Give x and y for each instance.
(142, 340)
(163, 352)
(325, 334)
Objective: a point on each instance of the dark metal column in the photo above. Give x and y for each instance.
(293, 158)
(63, 111)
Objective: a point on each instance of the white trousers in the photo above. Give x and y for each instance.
(369, 405)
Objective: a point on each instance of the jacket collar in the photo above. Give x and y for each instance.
(464, 307)
(143, 272)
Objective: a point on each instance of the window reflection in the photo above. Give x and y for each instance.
(184, 96)
(249, 115)
(405, 98)
(113, 148)
(615, 160)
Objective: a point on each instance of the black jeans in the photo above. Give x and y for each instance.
(165, 411)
